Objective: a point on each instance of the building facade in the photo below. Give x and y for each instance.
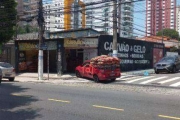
(178, 19)
(160, 14)
(100, 17)
(27, 10)
(64, 15)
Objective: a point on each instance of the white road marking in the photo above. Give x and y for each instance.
(130, 78)
(169, 80)
(175, 84)
(151, 80)
(131, 81)
(125, 76)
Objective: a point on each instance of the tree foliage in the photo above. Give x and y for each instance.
(169, 33)
(173, 49)
(26, 29)
(7, 19)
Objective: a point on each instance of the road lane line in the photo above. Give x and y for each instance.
(170, 117)
(151, 80)
(131, 81)
(15, 94)
(175, 84)
(110, 108)
(169, 80)
(56, 100)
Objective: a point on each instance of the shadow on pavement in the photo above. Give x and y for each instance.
(14, 106)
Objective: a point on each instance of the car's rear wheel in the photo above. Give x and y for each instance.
(78, 74)
(113, 79)
(96, 78)
(174, 69)
(11, 79)
(157, 72)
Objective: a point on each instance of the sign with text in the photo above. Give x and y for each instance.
(134, 54)
(51, 45)
(88, 43)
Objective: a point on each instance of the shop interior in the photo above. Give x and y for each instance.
(28, 61)
(73, 58)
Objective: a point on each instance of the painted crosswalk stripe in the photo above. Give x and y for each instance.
(175, 84)
(126, 76)
(130, 78)
(169, 80)
(131, 81)
(152, 80)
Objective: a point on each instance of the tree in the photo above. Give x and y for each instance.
(26, 29)
(173, 34)
(173, 49)
(7, 19)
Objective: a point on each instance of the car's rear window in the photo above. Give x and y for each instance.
(6, 65)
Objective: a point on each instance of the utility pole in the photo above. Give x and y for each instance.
(119, 18)
(163, 34)
(114, 29)
(41, 40)
(76, 14)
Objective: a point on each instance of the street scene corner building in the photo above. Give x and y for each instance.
(70, 42)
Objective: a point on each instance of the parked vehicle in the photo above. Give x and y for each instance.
(98, 73)
(168, 64)
(8, 71)
(0, 76)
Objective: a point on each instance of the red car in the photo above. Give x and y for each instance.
(97, 73)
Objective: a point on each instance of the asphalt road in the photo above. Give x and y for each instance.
(171, 80)
(33, 101)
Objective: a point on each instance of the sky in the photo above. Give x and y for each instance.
(139, 18)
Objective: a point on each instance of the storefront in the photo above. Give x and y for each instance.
(27, 55)
(134, 54)
(77, 51)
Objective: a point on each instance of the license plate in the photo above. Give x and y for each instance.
(7, 74)
(112, 74)
(160, 68)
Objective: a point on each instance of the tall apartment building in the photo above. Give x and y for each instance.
(27, 9)
(100, 17)
(160, 14)
(64, 15)
(178, 19)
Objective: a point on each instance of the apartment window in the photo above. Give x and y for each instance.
(26, 1)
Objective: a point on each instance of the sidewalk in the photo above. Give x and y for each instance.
(53, 78)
